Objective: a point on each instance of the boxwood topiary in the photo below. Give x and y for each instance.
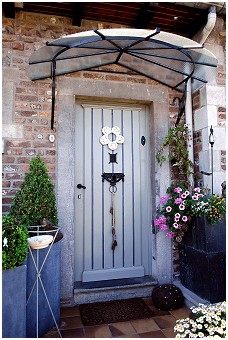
(14, 243)
(36, 199)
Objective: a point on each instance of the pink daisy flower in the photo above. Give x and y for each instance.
(178, 190)
(178, 200)
(195, 197)
(163, 199)
(197, 190)
(163, 227)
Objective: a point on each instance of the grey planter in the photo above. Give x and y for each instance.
(14, 302)
(202, 256)
(205, 236)
(50, 276)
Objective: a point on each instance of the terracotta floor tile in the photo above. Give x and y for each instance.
(144, 325)
(165, 321)
(128, 336)
(100, 331)
(73, 333)
(51, 334)
(169, 333)
(121, 328)
(70, 322)
(69, 311)
(181, 313)
(155, 334)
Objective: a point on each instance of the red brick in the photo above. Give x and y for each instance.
(26, 98)
(115, 77)
(50, 152)
(41, 129)
(136, 80)
(93, 75)
(5, 208)
(5, 184)
(7, 159)
(27, 128)
(18, 46)
(23, 160)
(221, 109)
(15, 143)
(30, 136)
(25, 168)
(17, 184)
(26, 113)
(7, 200)
(222, 116)
(43, 144)
(14, 176)
(15, 151)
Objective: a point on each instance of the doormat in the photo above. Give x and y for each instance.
(114, 311)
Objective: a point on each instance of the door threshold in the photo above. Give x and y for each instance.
(114, 283)
(113, 289)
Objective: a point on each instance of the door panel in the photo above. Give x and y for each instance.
(94, 257)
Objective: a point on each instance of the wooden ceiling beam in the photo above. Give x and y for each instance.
(145, 16)
(77, 13)
(8, 9)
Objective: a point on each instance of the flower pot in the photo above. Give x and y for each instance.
(205, 236)
(204, 273)
(14, 302)
(50, 276)
(202, 255)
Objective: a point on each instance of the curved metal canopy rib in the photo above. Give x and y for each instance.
(166, 58)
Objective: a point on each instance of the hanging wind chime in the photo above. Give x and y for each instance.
(113, 178)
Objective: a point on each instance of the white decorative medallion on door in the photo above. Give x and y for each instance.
(112, 191)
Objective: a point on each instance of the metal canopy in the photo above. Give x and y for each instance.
(164, 57)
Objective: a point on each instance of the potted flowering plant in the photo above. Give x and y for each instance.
(181, 204)
(209, 321)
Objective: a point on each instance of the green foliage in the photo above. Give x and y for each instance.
(176, 142)
(14, 243)
(36, 198)
(214, 207)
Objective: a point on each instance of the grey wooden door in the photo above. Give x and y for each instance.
(94, 258)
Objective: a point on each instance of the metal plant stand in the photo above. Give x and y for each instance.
(37, 231)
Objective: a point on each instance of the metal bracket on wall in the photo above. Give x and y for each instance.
(112, 178)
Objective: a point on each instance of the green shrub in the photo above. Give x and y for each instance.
(36, 198)
(14, 243)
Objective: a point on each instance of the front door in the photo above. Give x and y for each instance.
(112, 191)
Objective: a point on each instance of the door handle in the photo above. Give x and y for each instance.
(80, 186)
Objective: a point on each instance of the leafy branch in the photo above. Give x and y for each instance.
(176, 142)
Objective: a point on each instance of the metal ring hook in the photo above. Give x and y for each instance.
(113, 189)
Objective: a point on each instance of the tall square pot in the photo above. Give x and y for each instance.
(14, 302)
(204, 273)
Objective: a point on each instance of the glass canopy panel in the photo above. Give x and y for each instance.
(81, 52)
(153, 71)
(39, 71)
(44, 54)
